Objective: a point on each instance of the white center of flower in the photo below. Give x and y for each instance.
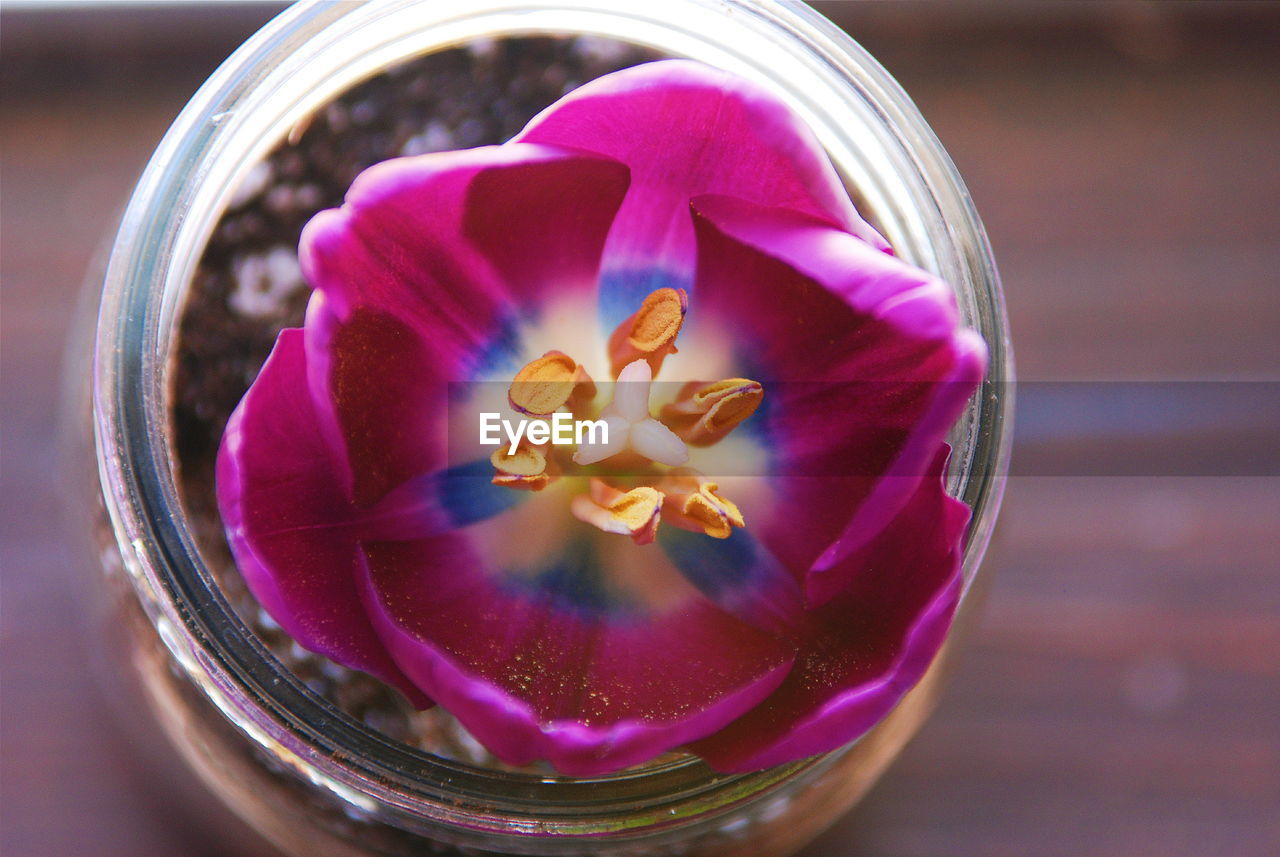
(645, 480)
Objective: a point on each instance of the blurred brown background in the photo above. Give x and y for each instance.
(1122, 693)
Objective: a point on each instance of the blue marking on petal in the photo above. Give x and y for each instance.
(747, 364)
(438, 502)
(501, 351)
(467, 494)
(573, 581)
(738, 574)
(622, 292)
(713, 565)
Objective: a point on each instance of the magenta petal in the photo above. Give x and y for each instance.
(861, 652)
(385, 400)
(454, 242)
(289, 524)
(532, 679)
(422, 276)
(865, 365)
(685, 129)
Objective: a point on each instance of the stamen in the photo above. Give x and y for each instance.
(693, 503)
(526, 469)
(549, 383)
(649, 333)
(633, 513)
(704, 413)
(659, 318)
(522, 483)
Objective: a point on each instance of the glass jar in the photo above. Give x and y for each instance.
(315, 781)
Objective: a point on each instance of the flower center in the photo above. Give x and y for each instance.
(657, 448)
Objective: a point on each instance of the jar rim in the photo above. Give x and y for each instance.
(279, 76)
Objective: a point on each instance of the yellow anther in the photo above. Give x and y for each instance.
(633, 513)
(657, 323)
(527, 460)
(705, 413)
(717, 515)
(549, 383)
(526, 469)
(637, 509)
(649, 333)
(521, 483)
(693, 502)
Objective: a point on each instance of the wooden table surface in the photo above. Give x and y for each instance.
(1122, 693)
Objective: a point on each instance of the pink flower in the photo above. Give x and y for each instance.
(759, 562)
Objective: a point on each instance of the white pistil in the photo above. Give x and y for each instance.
(630, 425)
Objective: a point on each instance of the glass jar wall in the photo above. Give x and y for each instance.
(311, 778)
